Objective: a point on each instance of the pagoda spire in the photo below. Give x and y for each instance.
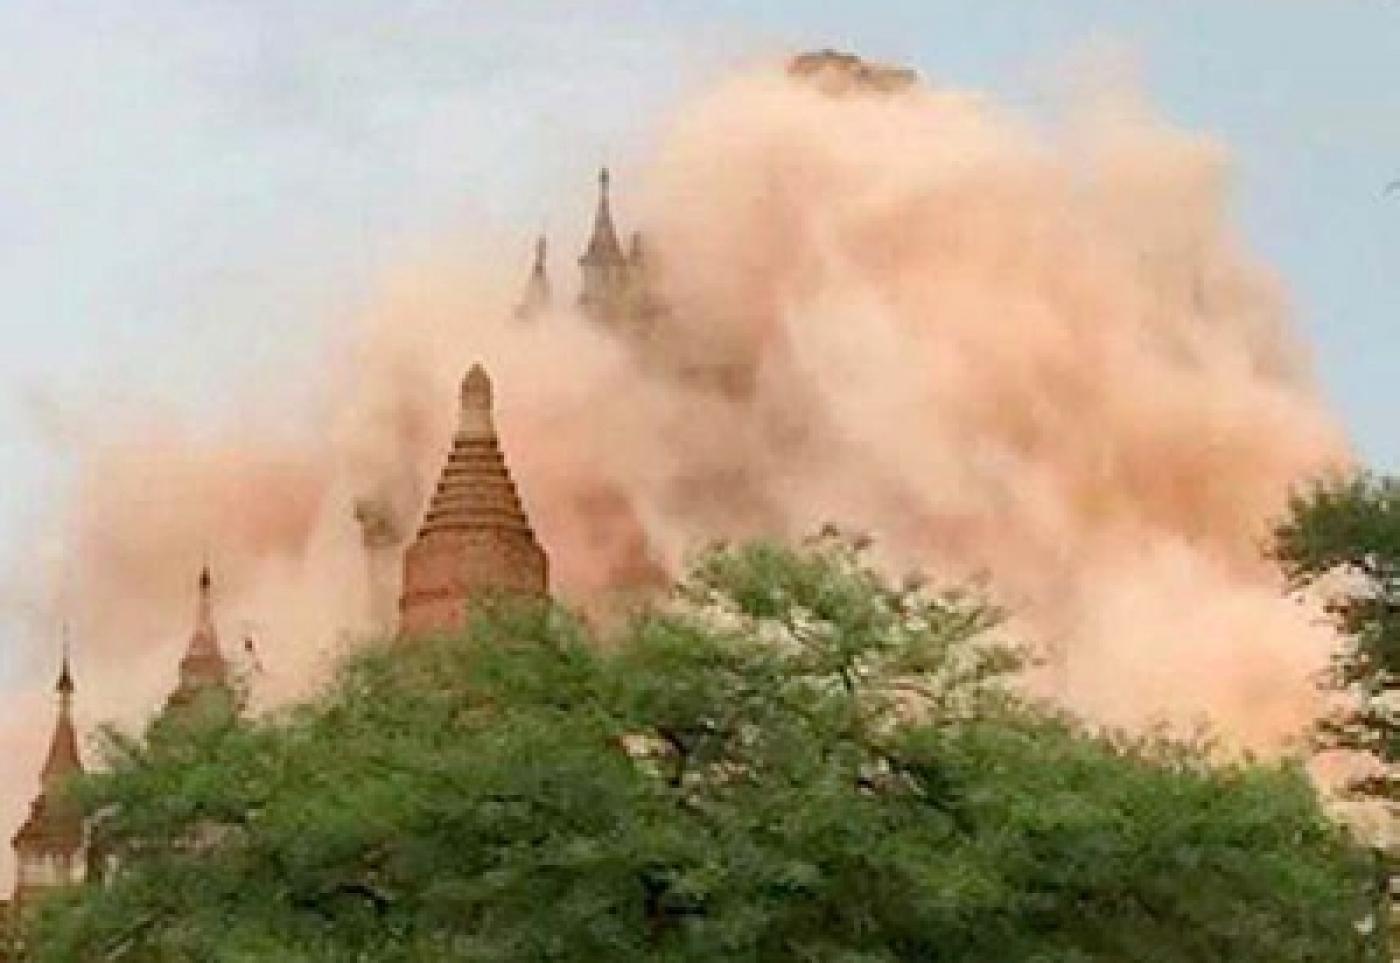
(476, 538)
(48, 845)
(203, 666)
(537, 294)
(603, 245)
(62, 760)
(204, 606)
(603, 263)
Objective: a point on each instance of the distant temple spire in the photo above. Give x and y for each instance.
(64, 686)
(537, 294)
(62, 760)
(603, 262)
(203, 666)
(475, 538)
(48, 846)
(603, 245)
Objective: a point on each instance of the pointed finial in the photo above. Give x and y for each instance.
(204, 604)
(65, 673)
(62, 760)
(476, 403)
(604, 179)
(540, 251)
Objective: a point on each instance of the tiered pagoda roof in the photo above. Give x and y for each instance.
(54, 824)
(475, 540)
(203, 666)
(475, 491)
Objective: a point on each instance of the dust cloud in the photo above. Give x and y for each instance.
(1034, 354)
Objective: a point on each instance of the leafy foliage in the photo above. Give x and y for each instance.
(789, 760)
(1348, 533)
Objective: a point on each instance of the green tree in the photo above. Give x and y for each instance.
(1346, 534)
(790, 759)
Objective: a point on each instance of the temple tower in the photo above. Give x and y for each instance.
(604, 295)
(475, 537)
(536, 299)
(203, 667)
(49, 846)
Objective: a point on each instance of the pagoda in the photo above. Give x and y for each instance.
(475, 539)
(604, 265)
(537, 298)
(203, 668)
(49, 846)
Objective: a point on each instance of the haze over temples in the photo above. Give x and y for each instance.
(475, 539)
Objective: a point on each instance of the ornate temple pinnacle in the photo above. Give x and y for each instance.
(63, 745)
(476, 404)
(535, 301)
(65, 673)
(48, 843)
(204, 602)
(203, 664)
(603, 246)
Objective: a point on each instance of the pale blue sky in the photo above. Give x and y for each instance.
(191, 191)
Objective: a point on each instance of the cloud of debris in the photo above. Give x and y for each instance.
(1039, 358)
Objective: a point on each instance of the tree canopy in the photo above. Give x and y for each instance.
(788, 759)
(1346, 534)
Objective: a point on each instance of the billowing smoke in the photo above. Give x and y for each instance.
(1045, 358)
(1041, 358)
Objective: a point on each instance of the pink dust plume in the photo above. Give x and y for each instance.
(1043, 359)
